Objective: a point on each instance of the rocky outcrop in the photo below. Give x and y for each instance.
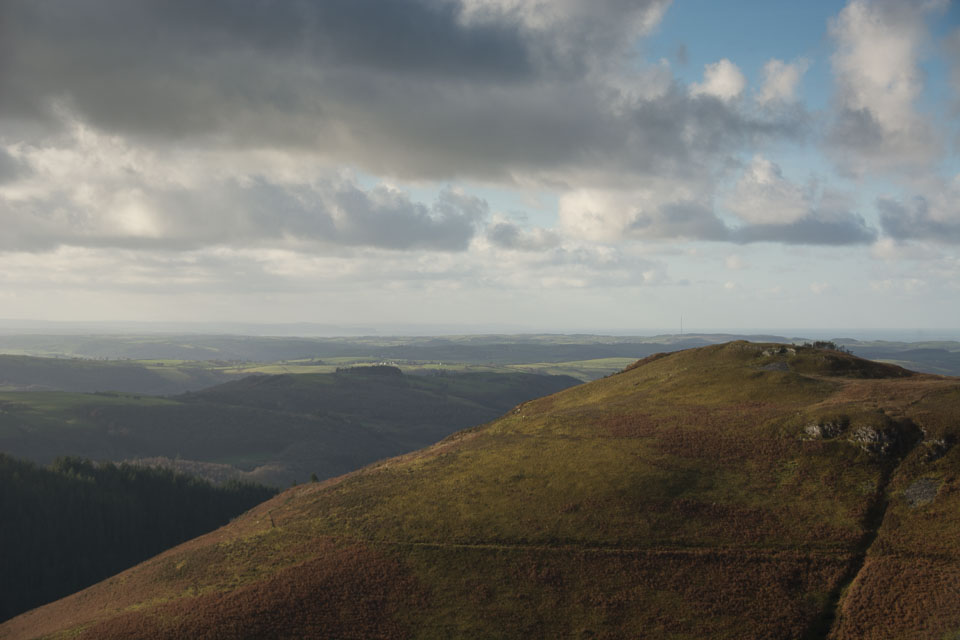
(779, 351)
(876, 440)
(825, 429)
(922, 492)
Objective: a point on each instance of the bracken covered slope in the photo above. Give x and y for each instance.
(733, 491)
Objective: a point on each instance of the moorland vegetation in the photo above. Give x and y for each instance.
(733, 491)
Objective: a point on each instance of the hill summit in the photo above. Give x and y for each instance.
(733, 491)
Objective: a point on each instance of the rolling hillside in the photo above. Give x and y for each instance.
(26, 373)
(732, 491)
(272, 429)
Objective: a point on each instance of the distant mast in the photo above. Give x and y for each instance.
(681, 325)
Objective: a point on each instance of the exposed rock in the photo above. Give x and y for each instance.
(936, 449)
(827, 429)
(922, 491)
(875, 440)
(779, 351)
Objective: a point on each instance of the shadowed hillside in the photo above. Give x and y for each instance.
(272, 429)
(25, 373)
(75, 522)
(732, 491)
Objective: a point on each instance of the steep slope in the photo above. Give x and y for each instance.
(733, 491)
(75, 523)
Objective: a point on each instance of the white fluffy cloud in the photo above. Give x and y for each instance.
(879, 81)
(770, 208)
(657, 210)
(95, 190)
(764, 196)
(781, 79)
(721, 79)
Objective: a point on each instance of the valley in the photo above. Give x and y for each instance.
(273, 429)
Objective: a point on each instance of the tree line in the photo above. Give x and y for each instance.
(75, 522)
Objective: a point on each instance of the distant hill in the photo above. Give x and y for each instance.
(26, 373)
(271, 429)
(482, 349)
(941, 357)
(732, 491)
(71, 524)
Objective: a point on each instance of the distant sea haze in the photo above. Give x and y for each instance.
(14, 326)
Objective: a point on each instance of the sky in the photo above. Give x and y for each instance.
(548, 165)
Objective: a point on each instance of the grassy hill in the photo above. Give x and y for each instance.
(277, 429)
(26, 373)
(732, 491)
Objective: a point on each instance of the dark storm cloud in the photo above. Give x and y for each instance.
(406, 37)
(411, 88)
(184, 68)
(913, 221)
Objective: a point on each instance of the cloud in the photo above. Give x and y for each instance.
(952, 47)
(413, 88)
(734, 262)
(574, 30)
(323, 214)
(10, 167)
(781, 79)
(685, 219)
(503, 90)
(830, 228)
(98, 191)
(763, 196)
(878, 82)
(173, 125)
(774, 209)
(675, 212)
(721, 79)
(661, 211)
(507, 235)
(898, 285)
(934, 217)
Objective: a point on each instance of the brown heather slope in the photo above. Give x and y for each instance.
(733, 491)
